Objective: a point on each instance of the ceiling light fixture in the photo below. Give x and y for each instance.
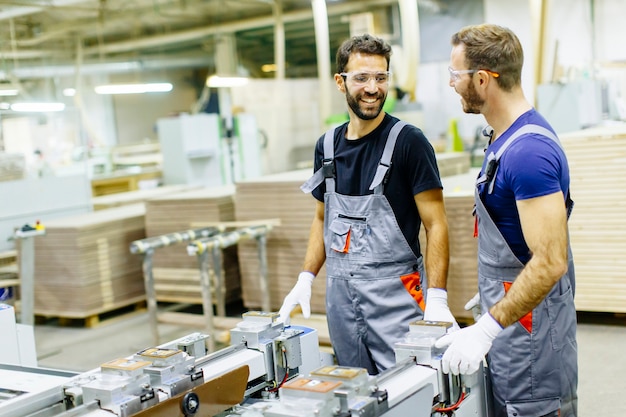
(37, 107)
(269, 67)
(134, 88)
(8, 91)
(219, 81)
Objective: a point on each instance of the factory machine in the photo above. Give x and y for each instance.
(268, 370)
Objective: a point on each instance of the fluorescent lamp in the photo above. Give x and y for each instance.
(8, 91)
(69, 92)
(37, 107)
(269, 67)
(218, 81)
(133, 88)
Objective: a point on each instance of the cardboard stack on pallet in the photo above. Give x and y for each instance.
(597, 160)
(277, 196)
(83, 266)
(137, 196)
(176, 273)
(12, 166)
(458, 194)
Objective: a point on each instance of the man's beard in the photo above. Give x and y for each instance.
(472, 103)
(369, 114)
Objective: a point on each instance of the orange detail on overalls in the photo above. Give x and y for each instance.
(475, 226)
(527, 320)
(346, 247)
(413, 285)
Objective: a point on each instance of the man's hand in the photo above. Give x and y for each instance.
(299, 294)
(437, 307)
(468, 346)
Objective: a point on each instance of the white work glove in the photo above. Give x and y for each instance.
(468, 346)
(437, 307)
(474, 305)
(299, 294)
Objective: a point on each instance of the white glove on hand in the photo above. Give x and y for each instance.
(437, 307)
(474, 305)
(299, 294)
(468, 346)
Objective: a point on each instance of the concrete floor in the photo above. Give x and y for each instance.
(601, 341)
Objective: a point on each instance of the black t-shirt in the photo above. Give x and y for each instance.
(413, 170)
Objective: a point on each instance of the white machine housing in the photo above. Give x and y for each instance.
(287, 376)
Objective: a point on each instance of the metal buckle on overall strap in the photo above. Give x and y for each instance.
(387, 171)
(490, 170)
(328, 168)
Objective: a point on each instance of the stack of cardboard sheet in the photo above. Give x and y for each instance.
(83, 266)
(137, 196)
(277, 196)
(597, 160)
(12, 166)
(453, 163)
(176, 273)
(458, 191)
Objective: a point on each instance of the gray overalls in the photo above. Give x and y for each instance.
(533, 363)
(374, 280)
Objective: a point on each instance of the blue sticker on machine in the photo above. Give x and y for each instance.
(304, 329)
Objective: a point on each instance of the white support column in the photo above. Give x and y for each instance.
(410, 29)
(226, 64)
(320, 19)
(538, 19)
(226, 54)
(279, 40)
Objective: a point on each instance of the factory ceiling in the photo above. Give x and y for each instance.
(62, 37)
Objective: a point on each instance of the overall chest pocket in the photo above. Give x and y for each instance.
(347, 234)
(355, 237)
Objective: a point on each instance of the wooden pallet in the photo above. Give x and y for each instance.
(95, 319)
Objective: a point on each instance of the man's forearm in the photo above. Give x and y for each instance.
(437, 256)
(316, 252)
(531, 286)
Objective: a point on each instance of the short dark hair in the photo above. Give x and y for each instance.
(495, 48)
(366, 44)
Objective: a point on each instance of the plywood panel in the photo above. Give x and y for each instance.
(597, 159)
(83, 265)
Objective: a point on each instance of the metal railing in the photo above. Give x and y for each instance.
(207, 243)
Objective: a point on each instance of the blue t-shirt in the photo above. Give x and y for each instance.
(413, 170)
(532, 166)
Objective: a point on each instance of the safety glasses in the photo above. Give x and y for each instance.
(455, 75)
(362, 78)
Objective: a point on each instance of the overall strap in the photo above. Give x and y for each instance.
(382, 171)
(493, 159)
(327, 170)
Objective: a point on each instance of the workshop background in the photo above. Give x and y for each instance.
(147, 120)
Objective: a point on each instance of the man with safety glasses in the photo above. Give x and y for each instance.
(376, 180)
(525, 268)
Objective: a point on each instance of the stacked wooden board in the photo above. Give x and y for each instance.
(458, 193)
(136, 196)
(453, 163)
(597, 160)
(277, 196)
(176, 273)
(12, 166)
(83, 266)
